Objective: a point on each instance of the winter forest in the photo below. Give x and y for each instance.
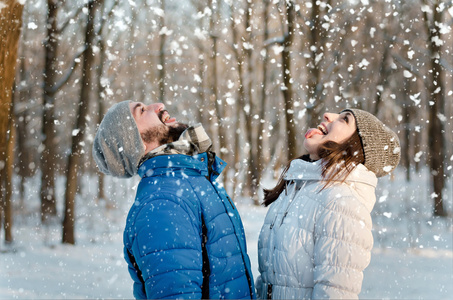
(257, 74)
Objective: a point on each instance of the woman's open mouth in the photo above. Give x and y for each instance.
(322, 128)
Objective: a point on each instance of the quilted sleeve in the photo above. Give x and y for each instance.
(167, 250)
(138, 287)
(342, 250)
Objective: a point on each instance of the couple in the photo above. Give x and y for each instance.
(184, 237)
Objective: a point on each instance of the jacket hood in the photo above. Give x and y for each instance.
(303, 170)
(362, 180)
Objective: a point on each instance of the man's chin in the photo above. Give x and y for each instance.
(176, 124)
(176, 130)
(164, 134)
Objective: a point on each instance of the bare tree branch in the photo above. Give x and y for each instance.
(71, 69)
(108, 16)
(444, 63)
(409, 67)
(68, 21)
(276, 40)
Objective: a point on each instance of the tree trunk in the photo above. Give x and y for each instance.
(436, 109)
(287, 89)
(48, 165)
(417, 148)
(200, 82)
(241, 103)
(315, 45)
(10, 29)
(24, 150)
(262, 107)
(79, 131)
(201, 96)
(384, 74)
(100, 114)
(101, 94)
(7, 205)
(161, 68)
(253, 161)
(214, 88)
(406, 145)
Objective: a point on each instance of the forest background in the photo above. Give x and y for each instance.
(256, 73)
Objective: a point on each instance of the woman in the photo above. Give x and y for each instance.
(316, 238)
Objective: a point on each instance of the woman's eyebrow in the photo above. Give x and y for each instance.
(349, 115)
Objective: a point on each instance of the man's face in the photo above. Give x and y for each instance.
(155, 125)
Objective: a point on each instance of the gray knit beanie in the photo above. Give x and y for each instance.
(118, 146)
(381, 146)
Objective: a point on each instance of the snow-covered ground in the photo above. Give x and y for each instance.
(412, 258)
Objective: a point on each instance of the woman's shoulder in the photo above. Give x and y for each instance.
(362, 175)
(343, 199)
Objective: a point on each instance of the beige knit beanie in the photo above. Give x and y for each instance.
(381, 146)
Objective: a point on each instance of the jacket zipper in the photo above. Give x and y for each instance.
(231, 203)
(290, 202)
(284, 214)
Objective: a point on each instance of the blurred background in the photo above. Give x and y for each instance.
(256, 73)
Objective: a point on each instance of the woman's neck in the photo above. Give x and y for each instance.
(306, 157)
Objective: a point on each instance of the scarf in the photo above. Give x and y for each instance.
(192, 141)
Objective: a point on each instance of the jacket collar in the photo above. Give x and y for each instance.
(183, 164)
(303, 170)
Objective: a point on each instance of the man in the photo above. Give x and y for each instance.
(183, 237)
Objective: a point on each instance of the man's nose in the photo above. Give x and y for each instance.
(156, 107)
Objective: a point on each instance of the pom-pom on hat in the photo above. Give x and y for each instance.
(381, 146)
(118, 146)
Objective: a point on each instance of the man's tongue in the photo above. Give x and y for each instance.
(163, 114)
(171, 120)
(311, 132)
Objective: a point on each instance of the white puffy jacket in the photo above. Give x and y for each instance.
(315, 245)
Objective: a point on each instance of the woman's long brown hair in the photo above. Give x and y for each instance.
(337, 160)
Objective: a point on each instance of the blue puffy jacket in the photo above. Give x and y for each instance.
(184, 237)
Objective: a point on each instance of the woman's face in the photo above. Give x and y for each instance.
(335, 127)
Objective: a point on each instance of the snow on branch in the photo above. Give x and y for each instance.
(276, 40)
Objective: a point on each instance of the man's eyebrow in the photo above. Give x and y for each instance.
(134, 110)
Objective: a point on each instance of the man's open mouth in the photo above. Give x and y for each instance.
(164, 116)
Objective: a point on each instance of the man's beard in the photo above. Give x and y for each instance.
(163, 134)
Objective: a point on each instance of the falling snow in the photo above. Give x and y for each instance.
(412, 256)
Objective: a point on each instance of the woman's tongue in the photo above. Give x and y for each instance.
(311, 132)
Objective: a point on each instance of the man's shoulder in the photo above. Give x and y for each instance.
(183, 191)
